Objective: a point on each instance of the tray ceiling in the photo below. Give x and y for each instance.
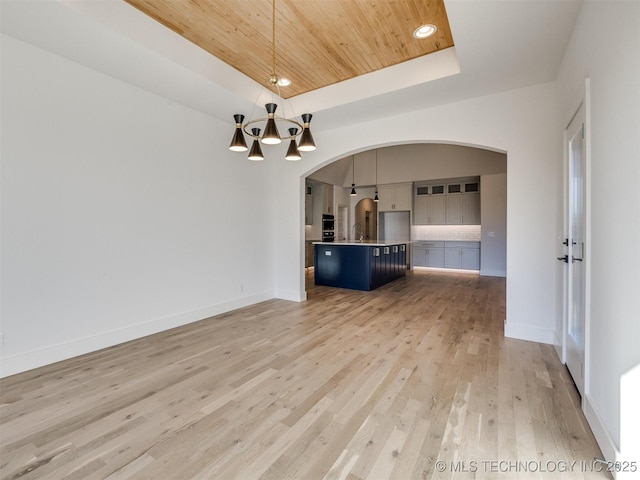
(318, 42)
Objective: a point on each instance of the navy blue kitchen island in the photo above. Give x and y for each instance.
(359, 266)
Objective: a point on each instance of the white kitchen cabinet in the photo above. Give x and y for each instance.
(394, 197)
(429, 210)
(327, 198)
(421, 210)
(462, 255)
(447, 202)
(308, 209)
(454, 210)
(463, 209)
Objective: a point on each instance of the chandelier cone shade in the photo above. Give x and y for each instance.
(306, 140)
(238, 143)
(271, 134)
(292, 152)
(256, 152)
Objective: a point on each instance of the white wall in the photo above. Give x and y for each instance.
(522, 123)
(431, 161)
(614, 133)
(121, 213)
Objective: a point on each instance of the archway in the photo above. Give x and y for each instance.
(414, 164)
(366, 217)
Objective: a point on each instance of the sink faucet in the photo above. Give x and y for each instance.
(356, 227)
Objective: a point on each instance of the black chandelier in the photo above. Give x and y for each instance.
(269, 125)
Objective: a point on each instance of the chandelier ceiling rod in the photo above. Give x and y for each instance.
(273, 40)
(353, 177)
(376, 199)
(271, 134)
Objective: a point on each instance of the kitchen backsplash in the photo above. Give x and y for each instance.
(446, 232)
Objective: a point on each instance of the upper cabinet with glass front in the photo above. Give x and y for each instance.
(456, 188)
(447, 202)
(429, 204)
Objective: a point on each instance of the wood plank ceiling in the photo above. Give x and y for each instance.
(318, 42)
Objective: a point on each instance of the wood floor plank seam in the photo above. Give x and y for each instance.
(390, 384)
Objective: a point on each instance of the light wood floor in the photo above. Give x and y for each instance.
(348, 385)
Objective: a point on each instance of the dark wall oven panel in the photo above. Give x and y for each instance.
(328, 228)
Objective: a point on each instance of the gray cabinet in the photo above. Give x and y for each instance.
(428, 254)
(429, 210)
(462, 255)
(394, 197)
(463, 209)
(458, 255)
(453, 203)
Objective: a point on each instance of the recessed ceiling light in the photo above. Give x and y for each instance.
(424, 31)
(284, 82)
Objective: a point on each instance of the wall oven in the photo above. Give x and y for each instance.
(328, 227)
(328, 222)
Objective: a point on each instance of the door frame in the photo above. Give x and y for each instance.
(586, 102)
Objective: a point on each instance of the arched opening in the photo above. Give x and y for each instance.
(413, 166)
(366, 218)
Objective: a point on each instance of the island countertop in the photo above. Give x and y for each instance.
(364, 243)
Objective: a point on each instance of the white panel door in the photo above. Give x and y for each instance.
(575, 294)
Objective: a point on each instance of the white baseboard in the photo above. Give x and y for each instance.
(609, 450)
(557, 344)
(492, 273)
(292, 295)
(527, 332)
(21, 362)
